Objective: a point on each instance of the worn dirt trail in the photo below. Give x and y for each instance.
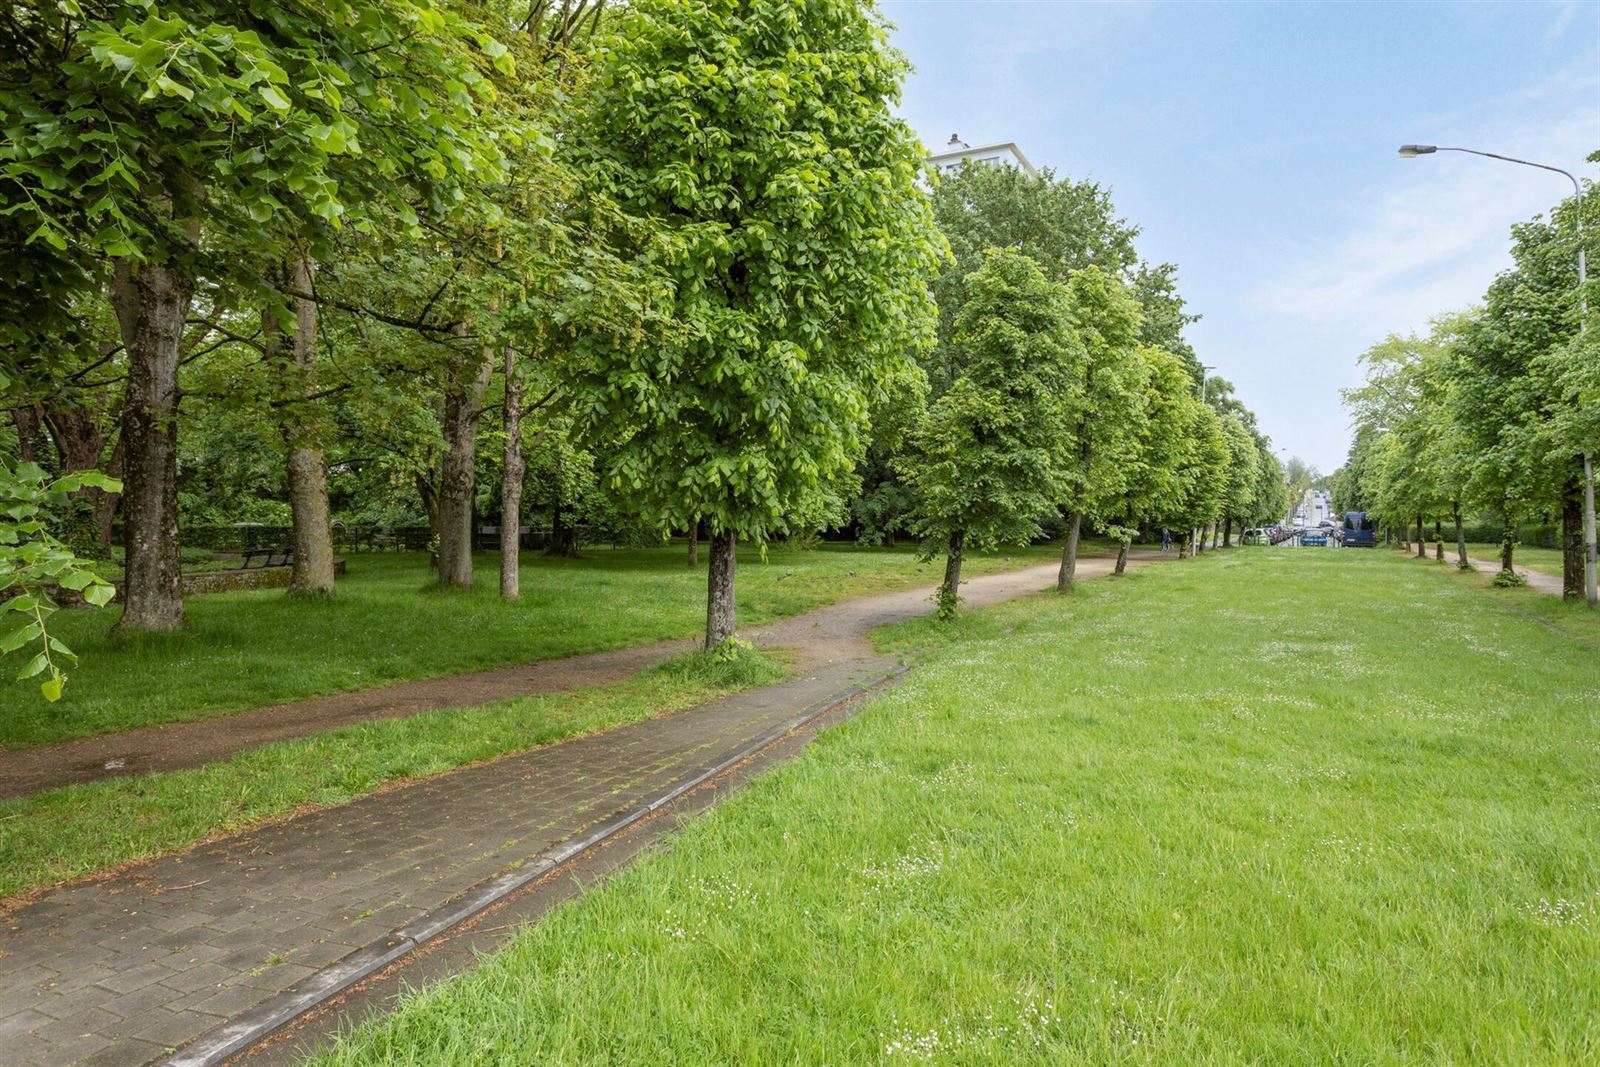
(1544, 583)
(820, 637)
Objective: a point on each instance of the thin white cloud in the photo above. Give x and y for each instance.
(1433, 235)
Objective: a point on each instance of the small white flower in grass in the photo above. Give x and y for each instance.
(1558, 912)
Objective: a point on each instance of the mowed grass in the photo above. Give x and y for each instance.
(1263, 807)
(386, 623)
(80, 829)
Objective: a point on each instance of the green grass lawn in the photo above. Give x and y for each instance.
(385, 624)
(80, 829)
(1263, 807)
(1543, 560)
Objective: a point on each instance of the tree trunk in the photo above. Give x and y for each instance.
(1122, 556)
(1508, 547)
(720, 620)
(294, 355)
(694, 543)
(1461, 538)
(458, 481)
(151, 302)
(33, 446)
(511, 483)
(1216, 533)
(1572, 547)
(1069, 552)
(1199, 540)
(105, 504)
(428, 494)
(563, 537)
(1422, 548)
(78, 430)
(1227, 533)
(952, 565)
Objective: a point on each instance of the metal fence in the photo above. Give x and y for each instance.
(347, 538)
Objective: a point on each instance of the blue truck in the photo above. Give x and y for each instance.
(1358, 530)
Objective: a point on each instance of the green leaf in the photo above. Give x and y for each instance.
(35, 665)
(17, 638)
(51, 687)
(76, 580)
(275, 99)
(100, 593)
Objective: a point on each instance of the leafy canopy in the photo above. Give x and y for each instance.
(989, 459)
(753, 149)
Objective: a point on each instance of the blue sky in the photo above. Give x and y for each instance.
(1255, 143)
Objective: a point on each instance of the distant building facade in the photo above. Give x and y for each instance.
(1004, 153)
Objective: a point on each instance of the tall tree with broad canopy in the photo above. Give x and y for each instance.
(173, 147)
(1103, 439)
(753, 145)
(988, 460)
(1063, 225)
(1151, 484)
(1507, 397)
(1202, 473)
(1243, 474)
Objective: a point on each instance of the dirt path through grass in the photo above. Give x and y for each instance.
(820, 637)
(1544, 583)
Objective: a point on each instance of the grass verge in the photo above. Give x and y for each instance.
(1543, 560)
(81, 829)
(1181, 818)
(248, 649)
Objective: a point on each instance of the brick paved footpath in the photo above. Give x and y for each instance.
(123, 970)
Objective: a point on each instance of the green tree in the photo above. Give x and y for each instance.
(160, 147)
(988, 460)
(1061, 224)
(1151, 483)
(1103, 440)
(752, 151)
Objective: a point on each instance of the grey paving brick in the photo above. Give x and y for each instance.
(169, 1028)
(200, 976)
(22, 1020)
(137, 977)
(123, 1052)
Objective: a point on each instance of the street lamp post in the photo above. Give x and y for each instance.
(1591, 567)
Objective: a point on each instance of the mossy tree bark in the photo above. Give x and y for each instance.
(513, 469)
(1069, 552)
(294, 355)
(463, 402)
(152, 303)
(1572, 548)
(721, 620)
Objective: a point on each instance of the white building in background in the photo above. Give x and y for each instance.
(1005, 153)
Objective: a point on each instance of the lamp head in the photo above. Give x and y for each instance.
(1412, 151)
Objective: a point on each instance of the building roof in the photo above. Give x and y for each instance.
(957, 151)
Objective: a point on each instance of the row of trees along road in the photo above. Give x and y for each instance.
(671, 265)
(1491, 411)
